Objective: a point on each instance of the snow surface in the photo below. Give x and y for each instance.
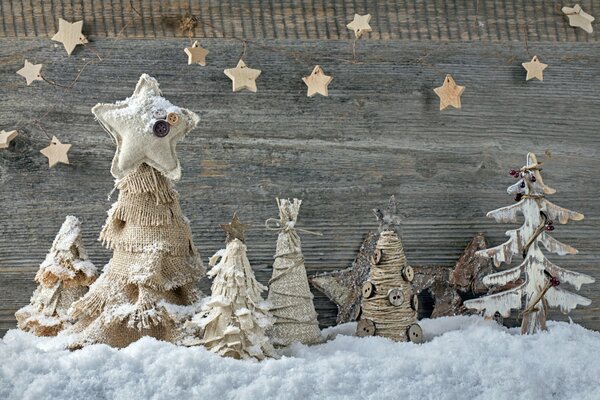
(464, 358)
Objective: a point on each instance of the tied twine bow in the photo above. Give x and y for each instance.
(289, 227)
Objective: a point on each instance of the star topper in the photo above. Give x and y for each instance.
(388, 218)
(146, 128)
(69, 34)
(235, 229)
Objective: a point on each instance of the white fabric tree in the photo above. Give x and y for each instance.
(540, 277)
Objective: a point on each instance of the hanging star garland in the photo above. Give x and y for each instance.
(69, 34)
(31, 72)
(449, 93)
(317, 82)
(196, 54)
(56, 152)
(360, 25)
(535, 69)
(6, 138)
(243, 77)
(579, 18)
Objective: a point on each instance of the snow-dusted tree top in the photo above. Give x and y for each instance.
(540, 276)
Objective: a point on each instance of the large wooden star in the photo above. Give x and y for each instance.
(6, 138)
(579, 18)
(56, 152)
(235, 229)
(360, 24)
(449, 93)
(243, 77)
(69, 34)
(196, 54)
(31, 72)
(317, 82)
(535, 69)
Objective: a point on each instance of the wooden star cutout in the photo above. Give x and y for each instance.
(579, 18)
(31, 72)
(449, 93)
(317, 82)
(535, 69)
(243, 77)
(235, 229)
(56, 152)
(69, 34)
(360, 24)
(196, 54)
(6, 138)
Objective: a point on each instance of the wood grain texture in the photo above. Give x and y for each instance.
(378, 133)
(415, 20)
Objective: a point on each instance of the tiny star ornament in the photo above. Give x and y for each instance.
(317, 82)
(146, 128)
(449, 93)
(69, 34)
(360, 24)
(243, 77)
(56, 152)
(235, 229)
(6, 138)
(535, 69)
(579, 18)
(196, 54)
(31, 72)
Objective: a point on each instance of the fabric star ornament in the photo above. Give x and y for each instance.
(243, 77)
(6, 138)
(31, 72)
(146, 128)
(56, 152)
(196, 54)
(69, 34)
(579, 18)
(317, 82)
(235, 229)
(449, 93)
(535, 69)
(360, 24)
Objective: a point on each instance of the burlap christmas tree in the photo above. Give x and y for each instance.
(235, 318)
(63, 277)
(155, 266)
(290, 299)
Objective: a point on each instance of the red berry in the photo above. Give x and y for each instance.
(518, 197)
(550, 227)
(523, 184)
(533, 178)
(513, 172)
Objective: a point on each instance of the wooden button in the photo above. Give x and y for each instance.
(415, 334)
(414, 302)
(159, 114)
(365, 327)
(376, 257)
(368, 290)
(408, 273)
(396, 297)
(173, 118)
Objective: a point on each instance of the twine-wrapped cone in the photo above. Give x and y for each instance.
(155, 267)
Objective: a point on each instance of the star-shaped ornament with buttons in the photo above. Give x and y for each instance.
(146, 128)
(449, 93)
(235, 229)
(69, 34)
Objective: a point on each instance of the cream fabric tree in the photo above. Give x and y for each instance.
(63, 277)
(290, 299)
(155, 266)
(541, 277)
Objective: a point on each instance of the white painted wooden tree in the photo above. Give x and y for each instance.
(535, 281)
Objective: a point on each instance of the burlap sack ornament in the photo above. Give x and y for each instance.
(63, 277)
(155, 266)
(290, 299)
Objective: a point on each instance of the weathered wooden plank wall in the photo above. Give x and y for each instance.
(379, 133)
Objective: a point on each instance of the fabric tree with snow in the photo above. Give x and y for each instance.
(155, 266)
(541, 278)
(63, 277)
(235, 318)
(290, 299)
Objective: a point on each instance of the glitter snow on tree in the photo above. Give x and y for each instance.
(541, 278)
(63, 278)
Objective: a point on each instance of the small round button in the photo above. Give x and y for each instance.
(396, 297)
(159, 113)
(365, 327)
(368, 290)
(415, 333)
(376, 257)
(161, 128)
(408, 273)
(414, 302)
(173, 118)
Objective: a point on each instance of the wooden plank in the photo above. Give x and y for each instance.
(379, 133)
(436, 20)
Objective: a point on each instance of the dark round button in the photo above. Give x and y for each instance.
(161, 128)
(365, 327)
(368, 290)
(376, 257)
(159, 113)
(415, 333)
(396, 297)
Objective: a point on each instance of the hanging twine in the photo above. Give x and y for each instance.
(551, 282)
(538, 231)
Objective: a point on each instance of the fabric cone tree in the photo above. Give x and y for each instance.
(63, 277)
(290, 299)
(155, 266)
(235, 318)
(540, 277)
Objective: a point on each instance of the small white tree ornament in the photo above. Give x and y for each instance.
(536, 279)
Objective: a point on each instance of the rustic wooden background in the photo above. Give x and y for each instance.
(379, 133)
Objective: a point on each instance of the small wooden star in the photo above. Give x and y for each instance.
(449, 93)
(31, 72)
(360, 24)
(535, 69)
(6, 138)
(235, 229)
(196, 54)
(317, 82)
(69, 34)
(56, 152)
(579, 18)
(243, 77)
